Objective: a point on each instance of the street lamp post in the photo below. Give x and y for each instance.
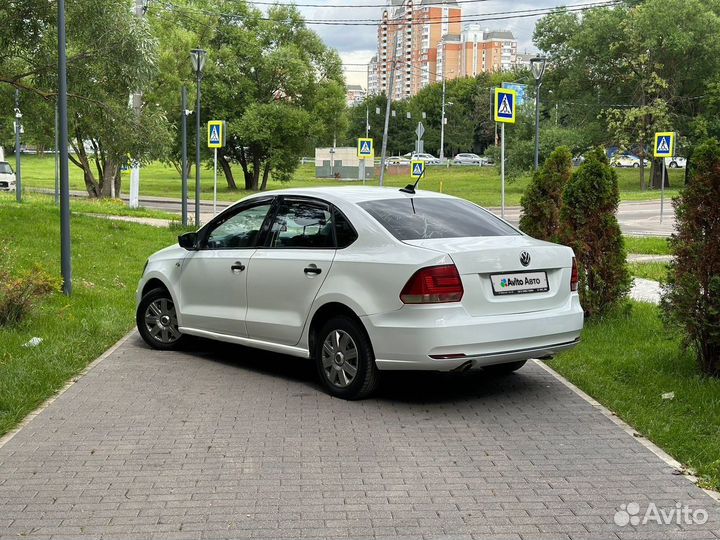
(18, 161)
(537, 65)
(198, 62)
(442, 123)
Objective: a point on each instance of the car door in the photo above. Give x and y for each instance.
(213, 279)
(286, 273)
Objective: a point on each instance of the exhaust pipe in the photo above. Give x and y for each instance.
(463, 367)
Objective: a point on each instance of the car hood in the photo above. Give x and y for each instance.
(7, 176)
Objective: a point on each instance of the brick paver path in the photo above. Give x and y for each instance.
(239, 444)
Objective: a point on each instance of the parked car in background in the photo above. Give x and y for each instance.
(626, 160)
(362, 280)
(7, 177)
(578, 160)
(468, 159)
(397, 161)
(676, 162)
(429, 159)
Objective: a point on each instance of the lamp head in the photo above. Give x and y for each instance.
(537, 65)
(198, 60)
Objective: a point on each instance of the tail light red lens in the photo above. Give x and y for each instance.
(432, 285)
(574, 276)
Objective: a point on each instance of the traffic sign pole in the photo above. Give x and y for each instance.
(662, 191)
(502, 170)
(215, 187)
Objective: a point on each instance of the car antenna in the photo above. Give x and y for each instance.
(410, 188)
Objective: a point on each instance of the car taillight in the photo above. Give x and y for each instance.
(432, 285)
(574, 276)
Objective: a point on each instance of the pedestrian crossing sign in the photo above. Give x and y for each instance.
(664, 144)
(505, 105)
(417, 169)
(216, 133)
(365, 149)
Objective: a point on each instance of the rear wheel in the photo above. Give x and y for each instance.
(505, 369)
(673, 165)
(636, 165)
(344, 359)
(156, 320)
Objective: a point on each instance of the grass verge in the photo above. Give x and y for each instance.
(108, 257)
(652, 270)
(626, 361)
(647, 245)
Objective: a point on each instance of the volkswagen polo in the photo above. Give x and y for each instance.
(364, 280)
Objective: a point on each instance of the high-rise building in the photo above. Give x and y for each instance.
(428, 41)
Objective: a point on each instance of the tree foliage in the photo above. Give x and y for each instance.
(541, 203)
(589, 226)
(691, 298)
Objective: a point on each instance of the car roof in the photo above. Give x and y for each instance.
(351, 194)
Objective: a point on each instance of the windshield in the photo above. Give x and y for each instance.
(5, 168)
(434, 217)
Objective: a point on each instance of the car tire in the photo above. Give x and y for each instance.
(156, 321)
(636, 165)
(345, 360)
(673, 165)
(505, 369)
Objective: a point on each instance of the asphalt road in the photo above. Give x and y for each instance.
(641, 218)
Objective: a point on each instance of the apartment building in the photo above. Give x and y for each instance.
(429, 42)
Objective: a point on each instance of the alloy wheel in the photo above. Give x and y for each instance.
(340, 358)
(161, 321)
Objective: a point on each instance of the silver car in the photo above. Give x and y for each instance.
(468, 159)
(7, 177)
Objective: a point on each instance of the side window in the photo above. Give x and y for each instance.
(240, 230)
(344, 232)
(300, 224)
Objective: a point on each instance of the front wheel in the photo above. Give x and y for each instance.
(156, 320)
(673, 165)
(345, 360)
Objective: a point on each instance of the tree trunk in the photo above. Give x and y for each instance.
(81, 160)
(266, 174)
(227, 170)
(246, 170)
(110, 170)
(657, 174)
(641, 155)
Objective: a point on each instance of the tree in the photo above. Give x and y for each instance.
(589, 226)
(691, 298)
(542, 200)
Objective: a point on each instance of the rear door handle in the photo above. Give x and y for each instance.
(237, 267)
(312, 269)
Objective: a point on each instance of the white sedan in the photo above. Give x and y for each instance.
(364, 280)
(7, 177)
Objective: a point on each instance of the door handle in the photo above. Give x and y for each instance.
(312, 269)
(237, 267)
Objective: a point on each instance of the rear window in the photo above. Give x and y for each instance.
(417, 218)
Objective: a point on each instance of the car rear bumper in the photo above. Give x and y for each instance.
(419, 337)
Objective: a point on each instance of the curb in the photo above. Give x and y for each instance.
(44, 405)
(627, 428)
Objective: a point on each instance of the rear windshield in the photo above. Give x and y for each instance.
(416, 218)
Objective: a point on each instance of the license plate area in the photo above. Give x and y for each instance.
(519, 283)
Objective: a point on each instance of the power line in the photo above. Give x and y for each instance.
(375, 6)
(495, 16)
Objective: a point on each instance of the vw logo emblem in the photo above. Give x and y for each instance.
(525, 258)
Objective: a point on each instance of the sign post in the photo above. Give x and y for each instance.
(664, 147)
(216, 139)
(365, 150)
(505, 108)
(420, 131)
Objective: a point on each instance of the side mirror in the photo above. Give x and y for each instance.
(188, 241)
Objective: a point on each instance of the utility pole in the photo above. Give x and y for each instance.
(391, 83)
(184, 166)
(367, 120)
(65, 240)
(442, 121)
(18, 161)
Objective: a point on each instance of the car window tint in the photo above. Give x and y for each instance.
(344, 232)
(300, 224)
(240, 230)
(424, 217)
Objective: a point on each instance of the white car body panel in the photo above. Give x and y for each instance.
(279, 300)
(7, 180)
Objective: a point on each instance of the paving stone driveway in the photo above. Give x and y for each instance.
(234, 443)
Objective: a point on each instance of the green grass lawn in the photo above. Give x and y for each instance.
(108, 257)
(648, 245)
(652, 270)
(480, 185)
(627, 361)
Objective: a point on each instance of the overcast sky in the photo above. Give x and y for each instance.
(357, 44)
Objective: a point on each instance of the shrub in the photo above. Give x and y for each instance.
(691, 297)
(543, 198)
(19, 294)
(588, 225)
